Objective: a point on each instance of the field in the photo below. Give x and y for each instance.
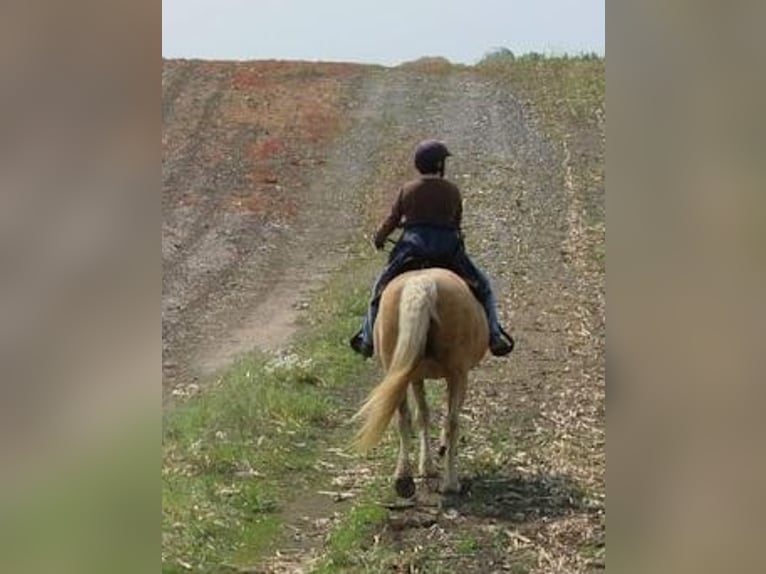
(274, 175)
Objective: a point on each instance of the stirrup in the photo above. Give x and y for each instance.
(511, 342)
(500, 347)
(357, 344)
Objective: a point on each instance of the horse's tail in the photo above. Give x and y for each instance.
(417, 306)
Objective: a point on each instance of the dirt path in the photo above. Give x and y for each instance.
(532, 450)
(524, 221)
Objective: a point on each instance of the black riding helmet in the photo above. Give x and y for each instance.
(430, 156)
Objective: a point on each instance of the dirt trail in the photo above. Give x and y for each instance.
(518, 222)
(524, 223)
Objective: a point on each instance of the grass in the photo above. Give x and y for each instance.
(351, 546)
(228, 450)
(467, 545)
(225, 455)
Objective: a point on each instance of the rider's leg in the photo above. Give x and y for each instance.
(499, 342)
(362, 341)
(372, 309)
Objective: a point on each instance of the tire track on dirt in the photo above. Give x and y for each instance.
(201, 163)
(516, 223)
(187, 180)
(305, 250)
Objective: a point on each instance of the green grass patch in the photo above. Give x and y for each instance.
(350, 547)
(237, 452)
(467, 545)
(594, 551)
(226, 454)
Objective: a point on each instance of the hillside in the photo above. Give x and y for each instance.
(273, 174)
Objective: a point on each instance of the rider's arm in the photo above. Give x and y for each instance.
(390, 223)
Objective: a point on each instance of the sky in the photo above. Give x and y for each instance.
(387, 33)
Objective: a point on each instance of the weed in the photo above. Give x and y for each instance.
(467, 545)
(352, 537)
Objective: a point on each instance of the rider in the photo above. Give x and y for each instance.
(430, 210)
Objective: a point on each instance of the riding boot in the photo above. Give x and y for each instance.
(500, 342)
(362, 341)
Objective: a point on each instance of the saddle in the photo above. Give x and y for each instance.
(420, 263)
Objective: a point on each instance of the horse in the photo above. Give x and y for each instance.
(430, 326)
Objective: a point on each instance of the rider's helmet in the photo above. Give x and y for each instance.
(430, 156)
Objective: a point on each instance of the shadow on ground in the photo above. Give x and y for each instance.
(519, 497)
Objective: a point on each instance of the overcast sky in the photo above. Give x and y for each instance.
(388, 32)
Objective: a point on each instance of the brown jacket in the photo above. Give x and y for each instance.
(431, 200)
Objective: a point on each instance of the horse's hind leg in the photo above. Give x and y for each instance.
(422, 423)
(456, 386)
(403, 483)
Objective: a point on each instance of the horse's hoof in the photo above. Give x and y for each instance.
(442, 450)
(405, 487)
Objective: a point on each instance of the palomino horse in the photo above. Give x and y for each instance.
(430, 326)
